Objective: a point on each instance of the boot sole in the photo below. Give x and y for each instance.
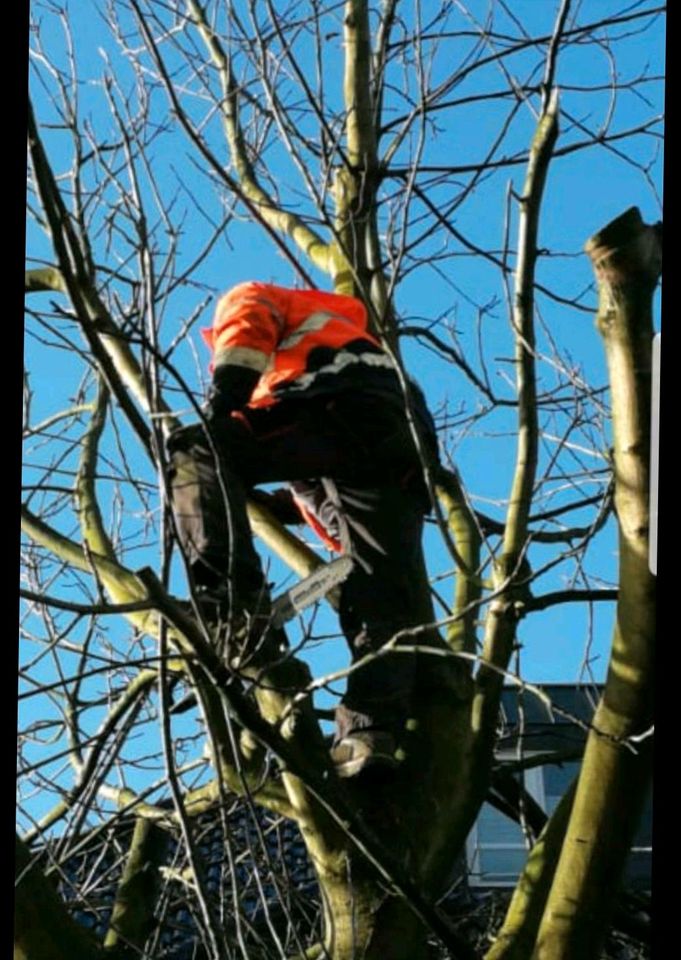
(350, 768)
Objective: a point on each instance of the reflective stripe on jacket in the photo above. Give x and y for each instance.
(299, 341)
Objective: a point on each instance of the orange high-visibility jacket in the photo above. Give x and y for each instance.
(299, 341)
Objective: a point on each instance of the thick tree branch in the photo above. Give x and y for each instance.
(461, 631)
(45, 279)
(42, 925)
(626, 256)
(319, 252)
(515, 939)
(132, 917)
(92, 527)
(500, 624)
(356, 182)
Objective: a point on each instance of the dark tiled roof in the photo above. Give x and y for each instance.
(262, 859)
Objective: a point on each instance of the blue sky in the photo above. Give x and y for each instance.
(585, 189)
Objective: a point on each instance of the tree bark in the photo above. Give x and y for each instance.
(516, 938)
(43, 928)
(617, 763)
(132, 918)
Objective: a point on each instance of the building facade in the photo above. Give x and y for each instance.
(548, 740)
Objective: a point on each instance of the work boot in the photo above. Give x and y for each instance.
(365, 749)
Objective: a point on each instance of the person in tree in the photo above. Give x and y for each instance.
(302, 392)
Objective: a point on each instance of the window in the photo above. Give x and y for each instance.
(496, 848)
(557, 778)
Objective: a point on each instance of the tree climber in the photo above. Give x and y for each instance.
(302, 392)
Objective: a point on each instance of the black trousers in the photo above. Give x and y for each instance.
(353, 460)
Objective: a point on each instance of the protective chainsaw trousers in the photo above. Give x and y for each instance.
(367, 491)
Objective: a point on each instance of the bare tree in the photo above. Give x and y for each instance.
(377, 149)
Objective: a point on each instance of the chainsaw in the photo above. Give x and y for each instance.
(293, 601)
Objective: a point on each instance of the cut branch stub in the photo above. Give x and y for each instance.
(627, 251)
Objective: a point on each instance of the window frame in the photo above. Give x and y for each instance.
(533, 781)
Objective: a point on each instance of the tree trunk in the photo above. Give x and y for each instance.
(413, 811)
(617, 762)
